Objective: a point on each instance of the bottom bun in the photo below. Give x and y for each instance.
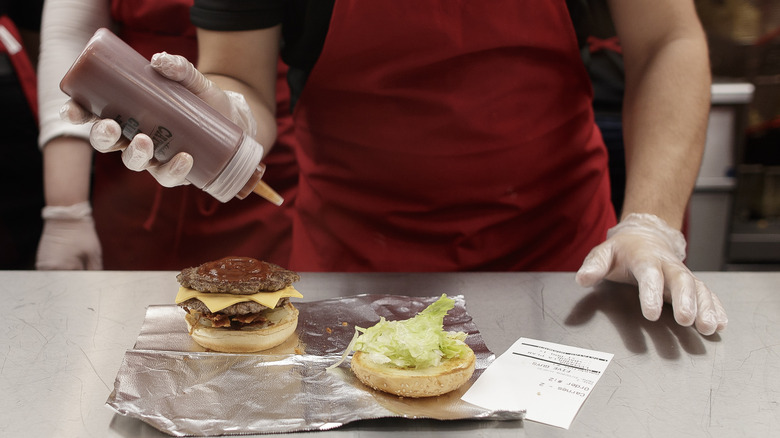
(410, 382)
(244, 341)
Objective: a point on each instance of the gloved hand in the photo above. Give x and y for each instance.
(137, 154)
(643, 250)
(69, 240)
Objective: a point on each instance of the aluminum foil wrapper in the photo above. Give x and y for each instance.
(176, 386)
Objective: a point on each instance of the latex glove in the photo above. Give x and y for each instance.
(69, 240)
(137, 154)
(644, 250)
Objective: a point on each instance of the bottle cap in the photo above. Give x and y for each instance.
(241, 171)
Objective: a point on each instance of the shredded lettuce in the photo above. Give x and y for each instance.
(418, 342)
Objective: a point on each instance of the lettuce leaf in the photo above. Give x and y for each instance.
(418, 342)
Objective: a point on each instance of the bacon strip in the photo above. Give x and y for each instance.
(235, 322)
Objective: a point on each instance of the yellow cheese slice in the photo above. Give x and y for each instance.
(216, 302)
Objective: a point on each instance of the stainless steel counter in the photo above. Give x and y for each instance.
(64, 335)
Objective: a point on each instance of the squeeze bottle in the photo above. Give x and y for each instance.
(112, 80)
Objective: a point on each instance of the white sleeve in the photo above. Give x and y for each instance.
(66, 26)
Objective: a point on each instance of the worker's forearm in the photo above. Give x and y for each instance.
(264, 112)
(245, 62)
(665, 118)
(67, 163)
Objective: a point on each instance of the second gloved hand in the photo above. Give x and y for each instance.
(643, 250)
(69, 240)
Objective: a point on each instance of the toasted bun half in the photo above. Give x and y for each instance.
(243, 341)
(427, 382)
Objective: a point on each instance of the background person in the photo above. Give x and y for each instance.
(20, 159)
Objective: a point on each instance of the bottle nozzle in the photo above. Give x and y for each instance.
(268, 193)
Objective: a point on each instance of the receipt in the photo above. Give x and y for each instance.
(550, 381)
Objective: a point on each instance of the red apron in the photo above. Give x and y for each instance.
(144, 226)
(11, 44)
(449, 135)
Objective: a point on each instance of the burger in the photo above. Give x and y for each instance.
(238, 304)
(415, 357)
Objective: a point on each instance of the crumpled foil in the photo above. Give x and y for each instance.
(176, 386)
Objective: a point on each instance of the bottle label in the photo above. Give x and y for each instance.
(161, 138)
(129, 128)
(160, 135)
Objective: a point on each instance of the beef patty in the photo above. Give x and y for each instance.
(237, 275)
(243, 308)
